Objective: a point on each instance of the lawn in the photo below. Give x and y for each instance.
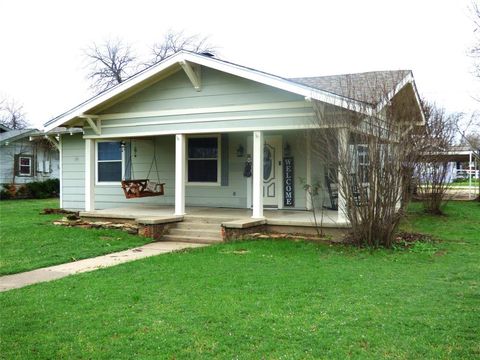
(465, 183)
(265, 299)
(28, 240)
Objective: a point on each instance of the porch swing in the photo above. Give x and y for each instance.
(139, 188)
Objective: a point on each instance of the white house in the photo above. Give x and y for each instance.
(25, 159)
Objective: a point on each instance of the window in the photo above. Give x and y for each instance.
(109, 161)
(363, 163)
(25, 165)
(203, 160)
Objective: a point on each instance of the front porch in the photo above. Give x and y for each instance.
(213, 224)
(272, 217)
(252, 171)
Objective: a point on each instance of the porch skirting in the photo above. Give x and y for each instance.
(156, 222)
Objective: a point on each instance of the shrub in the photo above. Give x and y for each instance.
(8, 192)
(33, 190)
(43, 189)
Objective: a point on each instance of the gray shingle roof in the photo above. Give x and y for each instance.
(368, 87)
(13, 135)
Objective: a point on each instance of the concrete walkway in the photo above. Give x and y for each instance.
(19, 280)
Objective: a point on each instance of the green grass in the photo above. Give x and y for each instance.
(29, 240)
(265, 299)
(465, 183)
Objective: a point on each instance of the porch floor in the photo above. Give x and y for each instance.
(272, 216)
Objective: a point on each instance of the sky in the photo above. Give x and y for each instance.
(42, 43)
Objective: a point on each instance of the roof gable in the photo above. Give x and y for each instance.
(314, 88)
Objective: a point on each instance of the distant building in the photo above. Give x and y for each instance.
(28, 155)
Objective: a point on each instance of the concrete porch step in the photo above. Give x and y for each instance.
(195, 226)
(191, 239)
(194, 233)
(206, 220)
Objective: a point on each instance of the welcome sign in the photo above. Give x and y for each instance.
(288, 182)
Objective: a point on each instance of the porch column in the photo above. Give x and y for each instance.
(257, 176)
(180, 146)
(342, 153)
(470, 176)
(89, 174)
(308, 151)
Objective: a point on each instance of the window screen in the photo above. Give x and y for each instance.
(109, 164)
(25, 165)
(203, 160)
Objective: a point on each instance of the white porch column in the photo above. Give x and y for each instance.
(308, 151)
(89, 174)
(470, 176)
(180, 145)
(342, 153)
(60, 168)
(257, 175)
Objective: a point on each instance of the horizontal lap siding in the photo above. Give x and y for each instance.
(224, 195)
(7, 155)
(108, 196)
(177, 93)
(218, 90)
(236, 125)
(73, 172)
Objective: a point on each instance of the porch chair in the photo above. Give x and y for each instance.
(332, 189)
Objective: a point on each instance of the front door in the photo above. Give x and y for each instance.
(272, 171)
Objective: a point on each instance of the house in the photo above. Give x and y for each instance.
(25, 156)
(218, 135)
(463, 162)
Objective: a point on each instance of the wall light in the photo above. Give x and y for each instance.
(240, 150)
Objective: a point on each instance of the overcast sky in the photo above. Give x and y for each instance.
(42, 66)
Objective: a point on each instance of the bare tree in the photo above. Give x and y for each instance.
(475, 49)
(175, 41)
(110, 64)
(470, 131)
(433, 166)
(113, 61)
(366, 150)
(12, 115)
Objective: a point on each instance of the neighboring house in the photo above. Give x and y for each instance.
(28, 155)
(202, 122)
(463, 162)
(24, 158)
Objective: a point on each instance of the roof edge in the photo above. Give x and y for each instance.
(221, 65)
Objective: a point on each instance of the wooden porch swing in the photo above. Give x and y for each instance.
(139, 188)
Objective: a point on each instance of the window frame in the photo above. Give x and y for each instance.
(219, 160)
(109, 183)
(30, 160)
(363, 161)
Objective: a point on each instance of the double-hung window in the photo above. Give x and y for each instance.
(109, 162)
(25, 165)
(203, 160)
(363, 163)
